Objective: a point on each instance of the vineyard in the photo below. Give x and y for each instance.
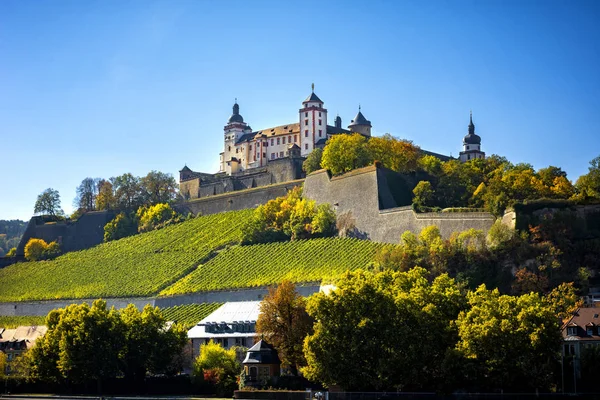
(189, 314)
(12, 321)
(265, 264)
(140, 265)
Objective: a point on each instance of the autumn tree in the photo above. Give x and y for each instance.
(38, 249)
(48, 203)
(106, 200)
(422, 194)
(588, 185)
(395, 154)
(123, 225)
(344, 153)
(153, 216)
(218, 367)
(284, 323)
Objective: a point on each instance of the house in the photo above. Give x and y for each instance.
(261, 364)
(580, 331)
(14, 342)
(232, 324)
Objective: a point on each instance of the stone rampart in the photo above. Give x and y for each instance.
(238, 200)
(368, 193)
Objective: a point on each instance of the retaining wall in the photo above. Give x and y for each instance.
(368, 194)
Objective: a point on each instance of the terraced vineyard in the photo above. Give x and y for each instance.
(265, 264)
(13, 321)
(140, 265)
(189, 314)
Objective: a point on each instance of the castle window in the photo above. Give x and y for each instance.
(283, 140)
(589, 331)
(467, 147)
(306, 146)
(255, 158)
(306, 133)
(236, 149)
(229, 148)
(281, 154)
(272, 142)
(319, 113)
(289, 139)
(319, 122)
(306, 114)
(295, 138)
(572, 330)
(264, 155)
(306, 122)
(272, 156)
(278, 141)
(320, 132)
(250, 147)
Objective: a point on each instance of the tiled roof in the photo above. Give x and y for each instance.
(287, 129)
(332, 130)
(312, 97)
(581, 319)
(261, 353)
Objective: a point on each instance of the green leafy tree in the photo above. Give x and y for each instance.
(158, 187)
(373, 323)
(48, 203)
(423, 194)
(284, 323)
(514, 340)
(121, 226)
(82, 344)
(344, 153)
(313, 161)
(218, 367)
(128, 191)
(588, 185)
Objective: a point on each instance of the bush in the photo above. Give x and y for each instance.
(154, 217)
(121, 226)
(12, 252)
(38, 249)
(217, 368)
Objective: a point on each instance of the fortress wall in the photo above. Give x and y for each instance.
(362, 192)
(220, 296)
(239, 200)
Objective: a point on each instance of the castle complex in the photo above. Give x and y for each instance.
(275, 155)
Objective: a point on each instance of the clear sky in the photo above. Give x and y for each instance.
(100, 88)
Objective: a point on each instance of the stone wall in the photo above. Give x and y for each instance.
(238, 200)
(81, 234)
(368, 193)
(221, 296)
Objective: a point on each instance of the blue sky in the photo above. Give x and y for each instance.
(100, 88)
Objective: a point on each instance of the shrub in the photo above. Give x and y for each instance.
(12, 252)
(121, 226)
(217, 367)
(153, 217)
(38, 249)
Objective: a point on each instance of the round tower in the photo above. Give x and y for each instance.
(360, 124)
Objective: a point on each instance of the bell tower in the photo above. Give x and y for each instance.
(313, 123)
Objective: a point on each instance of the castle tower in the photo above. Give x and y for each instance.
(233, 131)
(471, 144)
(360, 124)
(338, 122)
(313, 123)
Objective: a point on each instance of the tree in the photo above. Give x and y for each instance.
(152, 217)
(48, 203)
(121, 226)
(158, 187)
(284, 323)
(368, 331)
(513, 339)
(2, 365)
(588, 185)
(218, 367)
(128, 191)
(106, 199)
(12, 252)
(35, 248)
(82, 344)
(344, 153)
(87, 192)
(313, 161)
(423, 194)
(395, 154)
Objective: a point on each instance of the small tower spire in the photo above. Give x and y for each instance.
(313, 87)
(471, 124)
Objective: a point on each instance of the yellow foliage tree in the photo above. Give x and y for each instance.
(35, 248)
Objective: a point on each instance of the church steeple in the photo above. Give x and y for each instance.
(471, 125)
(471, 143)
(235, 117)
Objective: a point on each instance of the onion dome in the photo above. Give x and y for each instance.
(471, 137)
(359, 119)
(235, 117)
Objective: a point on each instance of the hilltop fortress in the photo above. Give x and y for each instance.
(274, 155)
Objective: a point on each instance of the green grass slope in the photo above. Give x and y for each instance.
(12, 321)
(189, 314)
(136, 266)
(265, 264)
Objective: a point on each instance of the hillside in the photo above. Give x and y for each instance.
(189, 257)
(265, 264)
(139, 265)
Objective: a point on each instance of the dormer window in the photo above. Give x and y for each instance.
(572, 331)
(589, 331)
